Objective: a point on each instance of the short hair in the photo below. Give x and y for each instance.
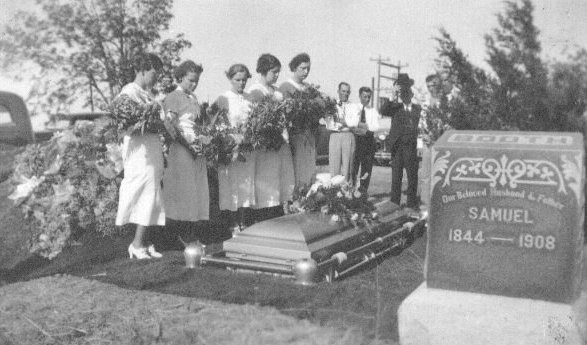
(146, 62)
(343, 83)
(237, 68)
(267, 62)
(186, 67)
(365, 89)
(431, 77)
(298, 60)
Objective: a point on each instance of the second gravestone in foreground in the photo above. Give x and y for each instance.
(507, 214)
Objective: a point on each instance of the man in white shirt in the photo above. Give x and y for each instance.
(365, 140)
(341, 146)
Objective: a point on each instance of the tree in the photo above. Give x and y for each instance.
(79, 49)
(472, 108)
(568, 90)
(521, 92)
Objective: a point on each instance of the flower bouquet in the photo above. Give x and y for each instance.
(131, 117)
(197, 139)
(228, 142)
(305, 109)
(266, 126)
(335, 197)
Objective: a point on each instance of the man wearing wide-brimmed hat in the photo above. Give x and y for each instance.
(402, 141)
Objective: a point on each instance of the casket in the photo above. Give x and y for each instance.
(310, 246)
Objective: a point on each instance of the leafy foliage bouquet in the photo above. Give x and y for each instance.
(197, 139)
(67, 186)
(336, 197)
(266, 124)
(131, 117)
(307, 107)
(228, 142)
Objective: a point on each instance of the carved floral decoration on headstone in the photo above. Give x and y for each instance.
(506, 172)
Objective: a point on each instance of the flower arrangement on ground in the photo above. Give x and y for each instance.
(305, 109)
(67, 186)
(336, 197)
(266, 126)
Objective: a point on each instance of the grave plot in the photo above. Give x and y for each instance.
(310, 247)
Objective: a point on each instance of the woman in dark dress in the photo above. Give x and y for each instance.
(303, 142)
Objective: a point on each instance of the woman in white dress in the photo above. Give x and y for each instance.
(185, 182)
(140, 197)
(274, 175)
(303, 142)
(236, 180)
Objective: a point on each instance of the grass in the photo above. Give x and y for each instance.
(43, 313)
(366, 301)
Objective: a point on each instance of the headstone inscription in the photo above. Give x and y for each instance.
(506, 214)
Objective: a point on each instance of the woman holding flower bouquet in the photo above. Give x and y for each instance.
(303, 141)
(136, 112)
(236, 179)
(185, 182)
(274, 174)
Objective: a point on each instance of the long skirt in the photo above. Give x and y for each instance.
(140, 197)
(303, 147)
(274, 177)
(236, 183)
(185, 186)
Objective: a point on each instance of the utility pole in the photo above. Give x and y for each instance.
(372, 88)
(380, 62)
(91, 93)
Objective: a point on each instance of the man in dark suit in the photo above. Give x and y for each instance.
(402, 141)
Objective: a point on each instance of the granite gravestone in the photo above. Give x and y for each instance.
(506, 214)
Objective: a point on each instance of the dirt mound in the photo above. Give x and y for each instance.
(71, 310)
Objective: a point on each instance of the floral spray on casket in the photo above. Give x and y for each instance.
(336, 197)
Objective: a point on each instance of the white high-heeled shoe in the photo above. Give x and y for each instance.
(154, 254)
(139, 253)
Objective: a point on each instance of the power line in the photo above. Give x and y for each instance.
(380, 62)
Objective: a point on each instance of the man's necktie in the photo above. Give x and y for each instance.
(363, 118)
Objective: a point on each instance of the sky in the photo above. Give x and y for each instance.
(344, 36)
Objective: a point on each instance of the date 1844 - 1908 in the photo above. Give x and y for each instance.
(523, 240)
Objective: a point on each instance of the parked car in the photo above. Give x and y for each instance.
(383, 153)
(322, 145)
(15, 123)
(87, 116)
(16, 127)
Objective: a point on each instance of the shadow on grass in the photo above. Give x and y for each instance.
(367, 300)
